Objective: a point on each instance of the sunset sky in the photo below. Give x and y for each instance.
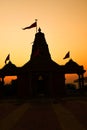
(64, 23)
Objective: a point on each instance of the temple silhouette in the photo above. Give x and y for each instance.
(41, 75)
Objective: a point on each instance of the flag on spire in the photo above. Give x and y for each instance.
(31, 26)
(7, 58)
(67, 55)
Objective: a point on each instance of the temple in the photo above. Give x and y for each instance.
(41, 75)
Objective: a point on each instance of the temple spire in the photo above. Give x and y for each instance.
(39, 30)
(40, 48)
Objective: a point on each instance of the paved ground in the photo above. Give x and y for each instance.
(44, 114)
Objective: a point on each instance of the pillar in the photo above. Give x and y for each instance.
(79, 83)
(2, 81)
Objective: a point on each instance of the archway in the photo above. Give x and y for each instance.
(40, 85)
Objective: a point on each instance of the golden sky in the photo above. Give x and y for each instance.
(64, 23)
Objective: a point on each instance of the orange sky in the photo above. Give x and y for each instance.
(64, 23)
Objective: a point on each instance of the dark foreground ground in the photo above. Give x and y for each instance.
(44, 114)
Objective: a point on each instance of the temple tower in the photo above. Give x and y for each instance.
(40, 49)
(41, 75)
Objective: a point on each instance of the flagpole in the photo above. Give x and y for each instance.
(36, 25)
(9, 56)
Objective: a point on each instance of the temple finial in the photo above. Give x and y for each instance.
(39, 30)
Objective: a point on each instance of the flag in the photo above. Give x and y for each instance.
(7, 58)
(31, 26)
(67, 55)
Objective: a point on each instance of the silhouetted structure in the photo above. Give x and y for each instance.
(41, 75)
(72, 67)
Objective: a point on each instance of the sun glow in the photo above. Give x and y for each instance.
(8, 79)
(63, 22)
